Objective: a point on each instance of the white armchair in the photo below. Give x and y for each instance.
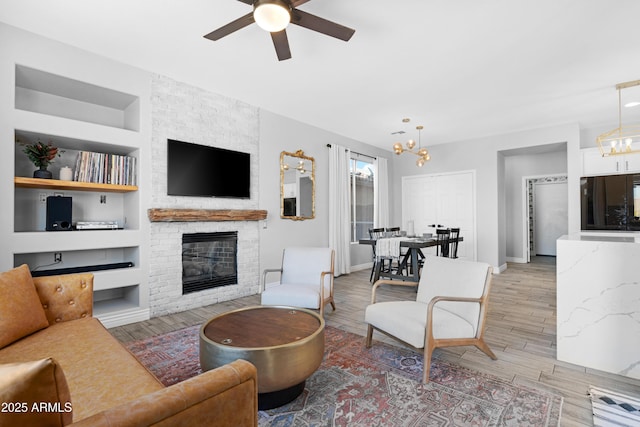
(306, 279)
(449, 310)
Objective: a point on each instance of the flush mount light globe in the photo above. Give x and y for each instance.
(272, 15)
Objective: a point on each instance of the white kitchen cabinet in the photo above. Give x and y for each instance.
(593, 163)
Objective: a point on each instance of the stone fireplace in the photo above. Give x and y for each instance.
(169, 253)
(209, 260)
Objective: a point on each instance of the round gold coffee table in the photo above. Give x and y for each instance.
(286, 345)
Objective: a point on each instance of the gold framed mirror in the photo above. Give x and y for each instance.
(297, 186)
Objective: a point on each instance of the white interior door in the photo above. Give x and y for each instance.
(447, 199)
(457, 209)
(421, 209)
(550, 216)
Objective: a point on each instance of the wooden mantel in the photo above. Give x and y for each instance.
(205, 215)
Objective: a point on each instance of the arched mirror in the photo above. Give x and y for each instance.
(297, 186)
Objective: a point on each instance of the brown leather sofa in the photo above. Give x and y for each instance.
(107, 385)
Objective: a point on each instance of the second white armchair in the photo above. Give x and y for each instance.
(449, 310)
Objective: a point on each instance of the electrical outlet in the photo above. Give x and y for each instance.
(42, 197)
(57, 257)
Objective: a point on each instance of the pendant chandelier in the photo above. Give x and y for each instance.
(421, 152)
(620, 140)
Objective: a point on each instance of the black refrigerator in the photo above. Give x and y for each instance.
(610, 202)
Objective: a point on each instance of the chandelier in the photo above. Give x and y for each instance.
(421, 152)
(620, 140)
(299, 167)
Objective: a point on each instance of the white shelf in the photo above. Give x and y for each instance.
(73, 133)
(60, 241)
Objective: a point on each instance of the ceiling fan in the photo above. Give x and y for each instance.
(274, 16)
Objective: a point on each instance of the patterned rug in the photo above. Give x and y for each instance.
(611, 408)
(381, 386)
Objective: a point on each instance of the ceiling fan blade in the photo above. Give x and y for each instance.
(297, 3)
(321, 25)
(281, 43)
(249, 2)
(231, 27)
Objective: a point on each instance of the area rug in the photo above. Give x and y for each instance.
(380, 386)
(612, 408)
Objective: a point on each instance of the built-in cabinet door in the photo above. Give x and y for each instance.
(447, 200)
(632, 163)
(594, 164)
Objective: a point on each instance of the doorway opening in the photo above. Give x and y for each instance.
(546, 213)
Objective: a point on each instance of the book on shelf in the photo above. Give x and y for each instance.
(104, 168)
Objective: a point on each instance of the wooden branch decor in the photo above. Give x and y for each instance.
(205, 215)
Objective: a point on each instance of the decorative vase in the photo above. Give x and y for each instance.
(42, 173)
(66, 174)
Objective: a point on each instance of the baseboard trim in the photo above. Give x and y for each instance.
(365, 266)
(500, 269)
(516, 260)
(111, 320)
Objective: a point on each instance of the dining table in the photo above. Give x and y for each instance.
(413, 254)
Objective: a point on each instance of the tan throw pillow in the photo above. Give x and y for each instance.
(34, 394)
(21, 311)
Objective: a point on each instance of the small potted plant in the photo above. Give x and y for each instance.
(42, 156)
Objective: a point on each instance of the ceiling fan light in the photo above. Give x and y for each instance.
(271, 16)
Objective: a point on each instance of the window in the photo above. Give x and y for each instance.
(361, 183)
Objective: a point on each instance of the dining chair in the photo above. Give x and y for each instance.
(453, 245)
(442, 248)
(306, 279)
(449, 310)
(395, 231)
(375, 234)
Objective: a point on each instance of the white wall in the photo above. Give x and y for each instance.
(483, 156)
(277, 134)
(517, 167)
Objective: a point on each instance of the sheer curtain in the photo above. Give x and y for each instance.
(339, 213)
(380, 193)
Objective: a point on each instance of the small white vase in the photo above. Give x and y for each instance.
(66, 174)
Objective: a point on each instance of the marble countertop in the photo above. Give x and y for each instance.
(618, 237)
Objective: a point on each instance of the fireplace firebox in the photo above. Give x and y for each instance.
(209, 260)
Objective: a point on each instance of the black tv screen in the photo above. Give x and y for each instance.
(203, 171)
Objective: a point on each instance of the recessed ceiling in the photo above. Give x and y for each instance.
(462, 68)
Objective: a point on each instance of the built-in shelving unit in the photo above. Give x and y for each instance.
(95, 105)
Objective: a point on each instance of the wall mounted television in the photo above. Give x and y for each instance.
(204, 171)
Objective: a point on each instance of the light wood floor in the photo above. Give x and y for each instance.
(521, 331)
